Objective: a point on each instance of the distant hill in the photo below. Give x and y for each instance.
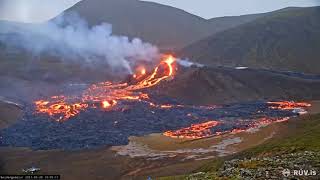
(220, 24)
(228, 85)
(288, 39)
(165, 26)
(162, 25)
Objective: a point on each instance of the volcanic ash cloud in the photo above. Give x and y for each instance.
(71, 38)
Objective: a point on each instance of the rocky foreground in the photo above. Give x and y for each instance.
(304, 164)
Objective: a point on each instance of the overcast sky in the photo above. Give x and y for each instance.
(217, 8)
(32, 10)
(41, 10)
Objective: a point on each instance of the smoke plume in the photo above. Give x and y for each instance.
(187, 63)
(70, 38)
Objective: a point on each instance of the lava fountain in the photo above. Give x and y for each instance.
(107, 94)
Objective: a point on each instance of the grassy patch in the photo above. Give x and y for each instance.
(251, 164)
(303, 135)
(212, 166)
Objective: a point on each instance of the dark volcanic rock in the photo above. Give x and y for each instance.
(93, 127)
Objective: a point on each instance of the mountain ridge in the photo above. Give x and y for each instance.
(168, 27)
(220, 85)
(284, 40)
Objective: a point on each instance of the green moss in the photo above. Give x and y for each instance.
(173, 178)
(251, 164)
(212, 166)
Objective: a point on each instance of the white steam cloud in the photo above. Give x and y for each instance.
(70, 38)
(187, 63)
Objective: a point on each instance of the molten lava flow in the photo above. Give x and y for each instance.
(166, 106)
(261, 122)
(143, 71)
(108, 94)
(195, 131)
(56, 109)
(288, 105)
(107, 104)
(155, 77)
(266, 121)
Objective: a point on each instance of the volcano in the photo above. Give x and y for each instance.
(107, 114)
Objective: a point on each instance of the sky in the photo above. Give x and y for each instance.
(32, 10)
(218, 8)
(42, 10)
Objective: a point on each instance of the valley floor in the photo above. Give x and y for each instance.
(293, 144)
(295, 150)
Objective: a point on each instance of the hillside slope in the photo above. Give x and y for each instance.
(227, 85)
(286, 40)
(296, 147)
(165, 26)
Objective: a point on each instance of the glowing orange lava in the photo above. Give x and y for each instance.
(143, 71)
(288, 105)
(202, 130)
(261, 122)
(155, 77)
(166, 106)
(56, 109)
(195, 131)
(107, 104)
(107, 94)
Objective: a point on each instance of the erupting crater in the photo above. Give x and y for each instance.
(106, 94)
(107, 114)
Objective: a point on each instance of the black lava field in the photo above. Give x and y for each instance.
(94, 128)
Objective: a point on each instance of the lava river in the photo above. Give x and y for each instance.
(106, 114)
